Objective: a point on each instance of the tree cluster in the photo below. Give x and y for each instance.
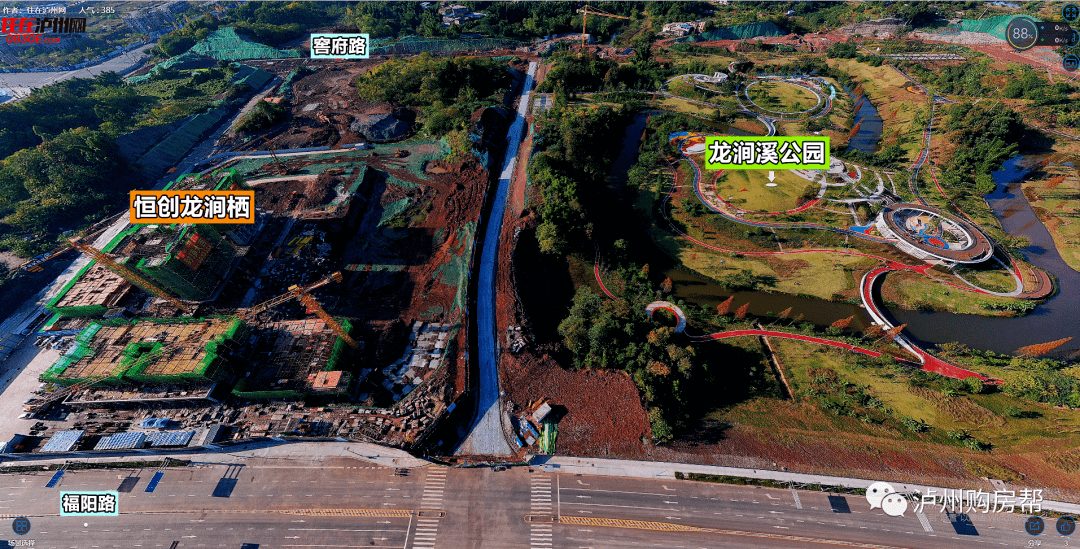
(615, 333)
(577, 146)
(447, 90)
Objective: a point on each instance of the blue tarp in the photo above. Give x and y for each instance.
(63, 441)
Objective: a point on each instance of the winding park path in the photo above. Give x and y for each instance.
(867, 291)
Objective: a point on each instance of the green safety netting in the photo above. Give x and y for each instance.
(393, 209)
(77, 351)
(415, 45)
(340, 346)
(169, 151)
(184, 61)
(256, 78)
(225, 44)
(738, 32)
(455, 272)
(91, 310)
(135, 143)
(994, 26)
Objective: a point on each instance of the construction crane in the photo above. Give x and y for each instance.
(128, 274)
(34, 264)
(585, 12)
(303, 295)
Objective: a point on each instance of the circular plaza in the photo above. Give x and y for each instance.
(929, 234)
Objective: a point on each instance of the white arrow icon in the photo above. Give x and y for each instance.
(772, 176)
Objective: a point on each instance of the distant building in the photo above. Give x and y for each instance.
(683, 28)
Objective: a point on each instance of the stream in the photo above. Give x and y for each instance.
(1052, 320)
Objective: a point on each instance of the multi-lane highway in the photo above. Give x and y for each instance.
(345, 502)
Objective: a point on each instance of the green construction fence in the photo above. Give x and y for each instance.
(225, 45)
(78, 350)
(738, 32)
(91, 310)
(994, 26)
(182, 280)
(137, 356)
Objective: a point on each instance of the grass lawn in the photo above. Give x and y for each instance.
(757, 196)
(781, 97)
(818, 274)
(914, 291)
(995, 280)
(681, 105)
(1056, 200)
(980, 414)
(897, 106)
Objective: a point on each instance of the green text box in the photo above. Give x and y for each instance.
(731, 152)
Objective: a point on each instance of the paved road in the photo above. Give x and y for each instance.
(339, 502)
(22, 82)
(487, 436)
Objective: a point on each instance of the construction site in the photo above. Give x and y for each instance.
(339, 312)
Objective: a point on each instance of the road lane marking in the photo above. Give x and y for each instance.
(668, 527)
(923, 520)
(616, 492)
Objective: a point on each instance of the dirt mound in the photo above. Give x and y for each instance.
(603, 415)
(379, 126)
(287, 195)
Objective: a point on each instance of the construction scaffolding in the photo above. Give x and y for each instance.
(291, 354)
(123, 351)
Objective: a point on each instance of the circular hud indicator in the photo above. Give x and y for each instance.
(1034, 525)
(1022, 33)
(1074, 39)
(1071, 12)
(1065, 526)
(21, 526)
(1070, 62)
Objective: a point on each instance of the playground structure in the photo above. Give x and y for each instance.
(929, 234)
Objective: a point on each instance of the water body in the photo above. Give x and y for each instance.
(699, 290)
(1052, 320)
(869, 135)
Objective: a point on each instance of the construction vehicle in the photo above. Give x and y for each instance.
(303, 295)
(585, 12)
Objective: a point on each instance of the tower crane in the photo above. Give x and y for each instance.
(78, 243)
(303, 295)
(586, 11)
